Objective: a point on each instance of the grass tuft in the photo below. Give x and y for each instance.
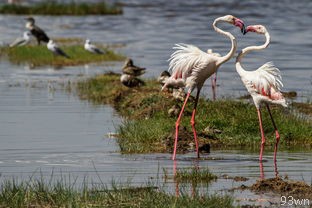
(38, 193)
(195, 175)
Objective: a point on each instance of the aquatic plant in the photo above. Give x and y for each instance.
(55, 8)
(194, 175)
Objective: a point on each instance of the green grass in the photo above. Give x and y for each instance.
(149, 128)
(54, 8)
(40, 55)
(38, 193)
(194, 175)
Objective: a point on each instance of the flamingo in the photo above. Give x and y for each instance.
(263, 84)
(192, 66)
(214, 78)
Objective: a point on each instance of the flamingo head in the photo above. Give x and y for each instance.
(235, 21)
(260, 29)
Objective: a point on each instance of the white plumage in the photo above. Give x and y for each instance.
(92, 48)
(263, 84)
(191, 66)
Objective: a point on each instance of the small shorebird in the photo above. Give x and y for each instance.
(92, 48)
(55, 49)
(36, 31)
(131, 69)
(20, 41)
(263, 84)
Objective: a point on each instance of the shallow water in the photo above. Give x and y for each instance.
(45, 129)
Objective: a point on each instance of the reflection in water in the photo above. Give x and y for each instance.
(262, 176)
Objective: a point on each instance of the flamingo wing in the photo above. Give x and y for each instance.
(186, 59)
(266, 81)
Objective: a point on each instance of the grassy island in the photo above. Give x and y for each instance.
(224, 123)
(35, 55)
(55, 8)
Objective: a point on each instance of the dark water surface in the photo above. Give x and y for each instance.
(44, 129)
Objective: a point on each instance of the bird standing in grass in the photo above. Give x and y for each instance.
(263, 84)
(55, 49)
(193, 66)
(36, 31)
(20, 41)
(131, 69)
(92, 48)
(131, 73)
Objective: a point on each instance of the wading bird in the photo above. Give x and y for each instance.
(193, 66)
(20, 41)
(55, 49)
(36, 31)
(131, 69)
(92, 48)
(214, 77)
(263, 84)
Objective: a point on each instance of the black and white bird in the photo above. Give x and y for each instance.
(131, 69)
(20, 41)
(56, 49)
(36, 31)
(92, 48)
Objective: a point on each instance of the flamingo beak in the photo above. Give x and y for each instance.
(239, 23)
(250, 29)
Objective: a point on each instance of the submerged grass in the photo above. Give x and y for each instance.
(38, 193)
(195, 175)
(40, 55)
(226, 123)
(55, 8)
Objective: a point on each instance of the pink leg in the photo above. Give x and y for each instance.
(193, 123)
(262, 134)
(276, 132)
(214, 85)
(177, 126)
(275, 169)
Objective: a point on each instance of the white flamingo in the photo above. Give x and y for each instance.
(193, 66)
(263, 84)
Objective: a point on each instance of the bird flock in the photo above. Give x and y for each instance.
(41, 36)
(190, 67)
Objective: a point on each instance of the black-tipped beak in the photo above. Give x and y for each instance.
(243, 29)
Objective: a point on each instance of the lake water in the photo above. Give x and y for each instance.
(45, 129)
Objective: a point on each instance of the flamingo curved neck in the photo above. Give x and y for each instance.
(246, 50)
(230, 54)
